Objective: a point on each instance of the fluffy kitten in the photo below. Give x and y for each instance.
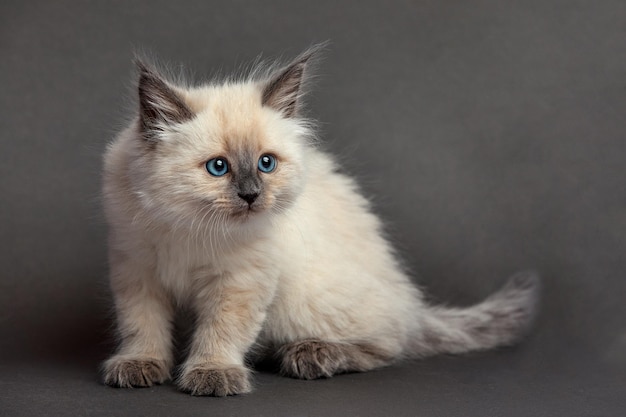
(218, 200)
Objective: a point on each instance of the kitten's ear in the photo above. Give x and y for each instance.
(159, 104)
(284, 89)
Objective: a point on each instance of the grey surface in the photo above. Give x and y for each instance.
(490, 135)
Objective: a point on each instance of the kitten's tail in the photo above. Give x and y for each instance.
(502, 319)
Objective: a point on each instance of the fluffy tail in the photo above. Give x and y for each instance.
(502, 319)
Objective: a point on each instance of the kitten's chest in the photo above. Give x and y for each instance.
(186, 264)
(180, 264)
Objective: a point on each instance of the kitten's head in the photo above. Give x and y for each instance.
(226, 152)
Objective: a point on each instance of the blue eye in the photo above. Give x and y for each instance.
(217, 166)
(267, 163)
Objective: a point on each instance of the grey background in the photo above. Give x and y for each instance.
(489, 134)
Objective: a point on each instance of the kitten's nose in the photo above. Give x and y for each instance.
(248, 198)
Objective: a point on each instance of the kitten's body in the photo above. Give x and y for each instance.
(303, 269)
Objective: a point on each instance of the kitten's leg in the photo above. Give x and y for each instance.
(144, 319)
(314, 358)
(230, 316)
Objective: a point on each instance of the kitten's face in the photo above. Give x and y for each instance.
(233, 160)
(221, 154)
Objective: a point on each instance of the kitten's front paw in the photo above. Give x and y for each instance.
(127, 372)
(217, 382)
(310, 359)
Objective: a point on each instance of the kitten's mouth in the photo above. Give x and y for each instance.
(245, 212)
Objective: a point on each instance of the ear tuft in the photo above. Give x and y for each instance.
(159, 104)
(284, 89)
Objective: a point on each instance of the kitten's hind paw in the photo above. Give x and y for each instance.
(217, 382)
(126, 372)
(314, 358)
(311, 359)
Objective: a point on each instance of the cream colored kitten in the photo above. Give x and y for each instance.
(218, 200)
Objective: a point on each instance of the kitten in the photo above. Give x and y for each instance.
(218, 200)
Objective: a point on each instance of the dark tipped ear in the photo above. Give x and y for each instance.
(159, 104)
(283, 92)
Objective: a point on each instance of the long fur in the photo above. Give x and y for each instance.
(304, 270)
